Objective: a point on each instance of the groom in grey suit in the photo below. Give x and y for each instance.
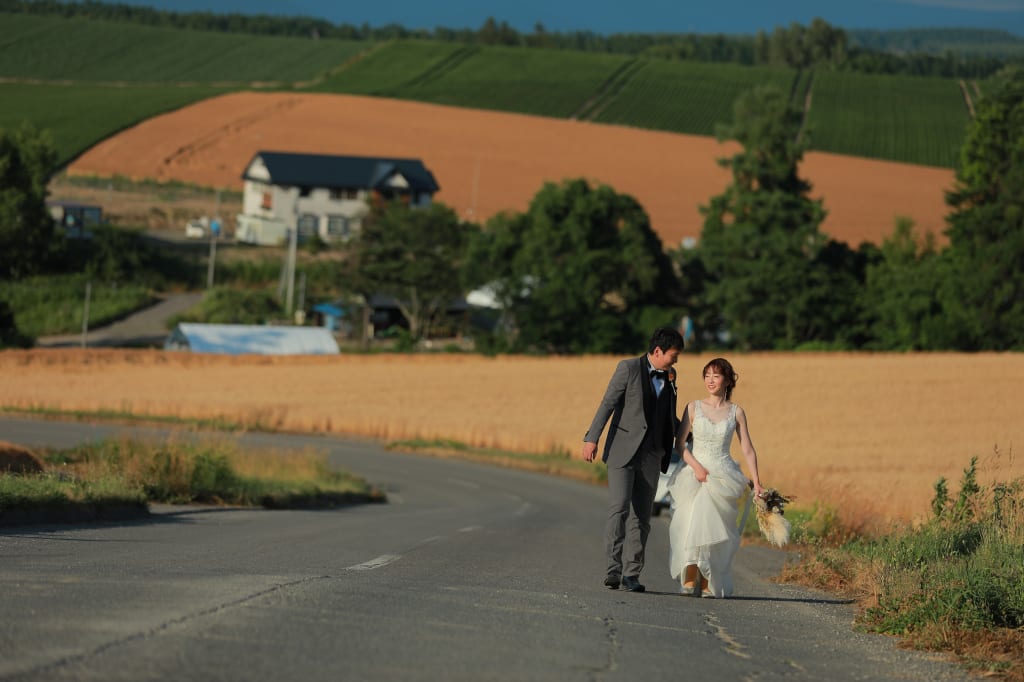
(641, 403)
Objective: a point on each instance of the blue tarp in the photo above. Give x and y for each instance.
(239, 339)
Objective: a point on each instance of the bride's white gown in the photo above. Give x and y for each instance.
(703, 529)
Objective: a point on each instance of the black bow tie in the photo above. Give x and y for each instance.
(659, 373)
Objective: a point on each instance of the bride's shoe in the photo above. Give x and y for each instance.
(689, 590)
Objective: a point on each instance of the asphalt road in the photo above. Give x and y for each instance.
(468, 573)
(143, 328)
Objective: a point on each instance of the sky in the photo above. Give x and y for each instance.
(636, 16)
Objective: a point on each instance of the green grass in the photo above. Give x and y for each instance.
(225, 305)
(898, 118)
(127, 415)
(79, 116)
(53, 490)
(182, 470)
(55, 304)
(954, 582)
(55, 48)
(688, 97)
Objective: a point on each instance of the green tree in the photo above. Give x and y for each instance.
(761, 241)
(27, 234)
(224, 305)
(984, 298)
(576, 271)
(10, 336)
(414, 255)
(903, 311)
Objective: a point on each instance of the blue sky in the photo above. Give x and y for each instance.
(642, 16)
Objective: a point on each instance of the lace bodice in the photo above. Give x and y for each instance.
(711, 440)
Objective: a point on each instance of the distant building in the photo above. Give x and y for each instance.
(326, 196)
(240, 339)
(75, 218)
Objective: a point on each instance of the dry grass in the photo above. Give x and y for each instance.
(868, 434)
(18, 460)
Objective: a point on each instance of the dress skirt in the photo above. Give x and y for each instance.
(704, 529)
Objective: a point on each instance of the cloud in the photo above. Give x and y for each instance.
(972, 5)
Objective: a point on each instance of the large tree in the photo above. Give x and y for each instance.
(27, 158)
(984, 297)
(761, 245)
(414, 255)
(903, 311)
(577, 271)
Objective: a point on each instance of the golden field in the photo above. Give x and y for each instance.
(870, 433)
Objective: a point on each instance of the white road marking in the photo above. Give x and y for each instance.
(382, 560)
(470, 529)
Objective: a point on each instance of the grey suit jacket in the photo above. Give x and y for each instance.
(628, 392)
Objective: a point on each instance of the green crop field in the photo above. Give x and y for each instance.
(898, 118)
(53, 48)
(687, 97)
(79, 116)
(390, 67)
(915, 120)
(545, 82)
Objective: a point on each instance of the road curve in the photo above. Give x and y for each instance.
(143, 328)
(469, 573)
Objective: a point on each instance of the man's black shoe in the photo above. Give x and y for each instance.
(612, 582)
(632, 583)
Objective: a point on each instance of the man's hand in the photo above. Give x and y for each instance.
(589, 451)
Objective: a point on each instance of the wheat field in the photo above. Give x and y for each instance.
(868, 433)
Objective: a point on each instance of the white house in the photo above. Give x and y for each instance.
(322, 195)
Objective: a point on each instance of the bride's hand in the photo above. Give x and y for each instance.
(700, 473)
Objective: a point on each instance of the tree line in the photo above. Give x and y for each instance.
(818, 44)
(582, 271)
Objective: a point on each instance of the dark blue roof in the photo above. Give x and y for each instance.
(343, 172)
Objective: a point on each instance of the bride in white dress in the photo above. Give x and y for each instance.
(707, 492)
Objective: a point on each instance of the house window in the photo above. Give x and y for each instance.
(344, 194)
(308, 224)
(304, 191)
(338, 227)
(268, 200)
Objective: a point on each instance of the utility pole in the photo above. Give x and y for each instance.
(292, 243)
(214, 234)
(85, 312)
(213, 259)
(302, 297)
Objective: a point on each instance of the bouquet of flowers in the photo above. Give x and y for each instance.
(770, 506)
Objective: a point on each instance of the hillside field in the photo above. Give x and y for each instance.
(487, 162)
(910, 120)
(868, 433)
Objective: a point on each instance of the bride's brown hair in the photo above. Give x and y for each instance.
(722, 366)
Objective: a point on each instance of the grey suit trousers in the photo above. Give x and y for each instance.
(631, 491)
